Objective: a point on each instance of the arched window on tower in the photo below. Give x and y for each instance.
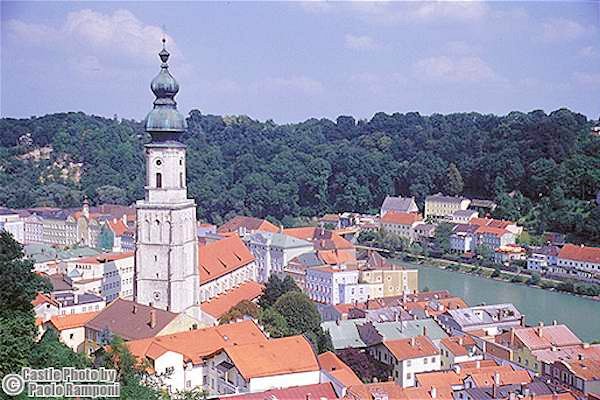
(181, 179)
(158, 180)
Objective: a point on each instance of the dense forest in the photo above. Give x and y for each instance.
(542, 169)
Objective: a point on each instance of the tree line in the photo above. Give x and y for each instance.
(542, 169)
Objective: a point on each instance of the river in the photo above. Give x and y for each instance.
(580, 314)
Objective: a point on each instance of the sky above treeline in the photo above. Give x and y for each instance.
(290, 61)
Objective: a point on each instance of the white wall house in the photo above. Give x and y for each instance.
(581, 260)
(408, 357)
(323, 283)
(273, 252)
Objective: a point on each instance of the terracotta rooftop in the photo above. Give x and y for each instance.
(323, 239)
(130, 320)
(491, 230)
(70, 321)
(117, 226)
(321, 391)
(219, 305)
(405, 349)
(249, 223)
(331, 363)
(586, 369)
(580, 253)
(41, 298)
(222, 257)
(543, 337)
(393, 391)
(197, 344)
(400, 218)
(458, 345)
(507, 377)
(265, 359)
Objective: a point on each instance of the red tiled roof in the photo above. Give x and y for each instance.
(280, 356)
(458, 345)
(552, 335)
(104, 257)
(321, 391)
(400, 218)
(70, 321)
(219, 305)
(580, 253)
(117, 226)
(486, 379)
(491, 230)
(403, 349)
(323, 239)
(332, 364)
(250, 223)
(197, 344)
(222, 257)
(41, 298)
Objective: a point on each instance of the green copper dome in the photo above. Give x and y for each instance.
(164, 122)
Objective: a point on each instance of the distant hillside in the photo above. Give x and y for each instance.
(542, 169)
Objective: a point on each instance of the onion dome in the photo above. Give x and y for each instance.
(164, 122)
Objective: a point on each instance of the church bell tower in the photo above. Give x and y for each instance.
(166, 256)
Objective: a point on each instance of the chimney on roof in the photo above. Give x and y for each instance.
(477, 364)
(424, 331)
(457, 368)
(540, 329)
(413, 341)
(554, 322)
(152, 321)
(580, 357)
(586, 345)
(134, 308)
(497, 378)
(460, 340)
(433, 392)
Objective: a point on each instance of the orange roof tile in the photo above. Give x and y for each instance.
(219, 305)
(580, 253)
(458, 345)
(331, 363)
(41, 298)
(280, 356)
(323, 239)
(104, 257)
(117, 226)
(486, 379)
(586, 369)
(319, 391)
(552, 335)
(400, 218)
(491, 230)
(403, 349)
(70, 321)
(222, 257)
(334, 257)
(198, 344)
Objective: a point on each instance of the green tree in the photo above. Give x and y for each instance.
(244, 308)
(275, 288)
(18, 288)
(442, 236)
(455, 182)
(274, 323)
(50, 352)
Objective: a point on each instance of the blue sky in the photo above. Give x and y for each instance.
(289, 61)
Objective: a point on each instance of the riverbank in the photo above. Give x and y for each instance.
(491, 273)
(580, 314)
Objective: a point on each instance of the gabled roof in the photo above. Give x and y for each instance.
(222, 257)
(195, 345)
(321, 391)
(130, 320)
(70, 321)
(580, 253)
(486, 379)
(400, 218)
(543, 337)
(323, 239)
(335, 367)
(458, 345)
(117, 226)
(406, 349)
(249, 223)
(402, 204)
(280, 356)
(42, 298)
(219, 305)
(444, 199)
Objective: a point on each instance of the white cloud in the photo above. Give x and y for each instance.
(316, 6)
(454, 69)
(364, 42)
(298, 84)
(94, 34)
(587, 79)
(460, 47)
(556, 30)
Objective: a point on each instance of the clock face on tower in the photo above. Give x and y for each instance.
(156, 295)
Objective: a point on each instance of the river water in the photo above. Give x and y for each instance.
(580, 314)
